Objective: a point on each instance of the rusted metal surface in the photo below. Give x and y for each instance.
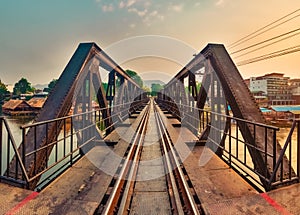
(79, 190)
(217, 186)
(222, 78)
(81, 73)
(220, 189)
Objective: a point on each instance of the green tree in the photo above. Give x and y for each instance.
(23, 86)
(3, 91)
(147, 90)
(105, 85)
(135, 77)
(51, 85)
(198, 86)
(156, 88)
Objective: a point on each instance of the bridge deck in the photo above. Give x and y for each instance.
(218, 187)
(150, 191)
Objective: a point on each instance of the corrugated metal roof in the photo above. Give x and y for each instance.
(296, 112)
(286, 108)
(265, 110)
(37, 102)
(13, 104)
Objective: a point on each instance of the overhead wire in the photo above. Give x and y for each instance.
(266, 45)
(265, 41)
(282, 52)
(256, 33)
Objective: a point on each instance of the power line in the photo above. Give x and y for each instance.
(268, 40)
(255, 33)
(262, 47)
(279, 53)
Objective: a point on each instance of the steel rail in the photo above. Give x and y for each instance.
(113, 198)
(167, 143)
(175, 198)
(133, 171)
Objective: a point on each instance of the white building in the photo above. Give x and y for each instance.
(259, 85)
(274, 86)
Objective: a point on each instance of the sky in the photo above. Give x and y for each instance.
(38, 38)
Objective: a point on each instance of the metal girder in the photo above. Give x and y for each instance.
(83, 66)
(241, 101)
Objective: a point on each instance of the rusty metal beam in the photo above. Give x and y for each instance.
(60, 100)
(241, 101)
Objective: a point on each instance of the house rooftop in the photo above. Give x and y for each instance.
(12, 104)
(37, 102)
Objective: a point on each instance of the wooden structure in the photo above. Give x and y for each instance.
(17, 108)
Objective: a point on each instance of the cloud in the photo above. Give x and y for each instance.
(132, 25)
(176, 7)
(130, 3)
(140, 13)
(220, 2)
(146, 10)
(161, 17)
(122, 4)
(151, 17)
(157, 15)
(197, 4)
(153, 13)
(108, 8)
(147, 4)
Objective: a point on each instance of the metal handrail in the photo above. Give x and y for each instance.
(15, 149)
(266, 181)
(23, 178)
(282, 153)
(75, 115)
(231, 117)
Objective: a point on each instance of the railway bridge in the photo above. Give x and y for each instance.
(192, 149)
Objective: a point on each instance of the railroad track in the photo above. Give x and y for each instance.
(178, 189)
(183, 197)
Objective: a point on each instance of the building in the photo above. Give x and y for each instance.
(287, 112)
(275, 88)
(22, 107)
(261, 98)
(36, 103)
(295, 89)
(17, 107)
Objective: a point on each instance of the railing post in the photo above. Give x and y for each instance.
(1, 135)
(8, 156)
(298, 148)
(274, 152)
(266, 152)
(65, 134)
(35, 151)
(47, 143)
(71, 144)
(230, 143)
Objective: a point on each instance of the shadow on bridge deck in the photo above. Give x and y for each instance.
(220, 189)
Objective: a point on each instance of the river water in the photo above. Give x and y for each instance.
(14, 125)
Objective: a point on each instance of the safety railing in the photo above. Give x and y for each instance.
(9, 149)
(290, 151)
(75, 134)
(225, 138)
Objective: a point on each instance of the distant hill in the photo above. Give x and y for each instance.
(148, 83)
(40, 86)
